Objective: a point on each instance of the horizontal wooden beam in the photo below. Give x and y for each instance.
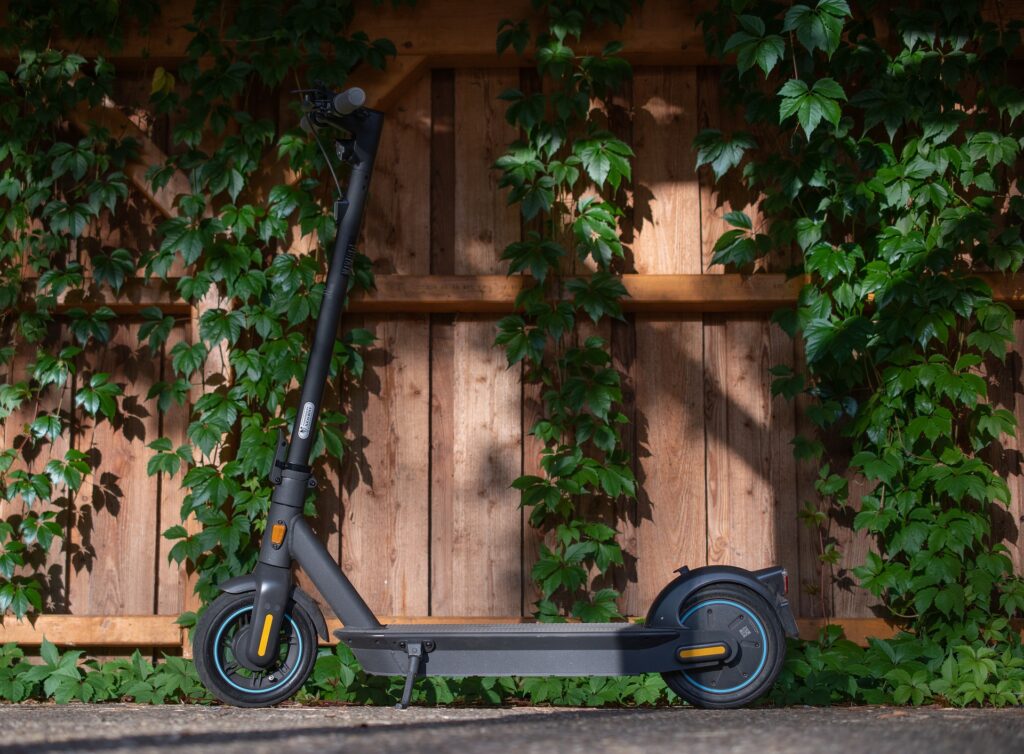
(496, 294)
(458, 33)
(448, 32)
(94, 630)
(135, 295)
(162, 631)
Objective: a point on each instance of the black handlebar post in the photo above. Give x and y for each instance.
(365, 126)
(273, 580)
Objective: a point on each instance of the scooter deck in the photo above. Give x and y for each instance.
(551, 649)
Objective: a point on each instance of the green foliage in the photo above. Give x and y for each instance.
(65, 677)
(260, 300)
(337, 677)
(892, 194)
(565, 172)
(909, 669)
(828, 671)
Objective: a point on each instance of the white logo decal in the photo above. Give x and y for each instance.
(306, 421)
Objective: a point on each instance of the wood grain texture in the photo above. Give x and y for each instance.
(727, 194)
(811, 590)
(113, 563)
(666, 213)
(444, 292)
(476, 522)
(385, 534)
(172, 580)
(751, 473)
(671, 526)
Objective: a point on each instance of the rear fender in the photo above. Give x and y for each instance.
(770, 583)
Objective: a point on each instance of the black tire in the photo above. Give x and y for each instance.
(762, 648)
(228, 680)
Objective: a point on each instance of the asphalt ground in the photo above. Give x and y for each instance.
(139, 729)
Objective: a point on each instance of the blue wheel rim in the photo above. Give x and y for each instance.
(217, 655)
(764, 646)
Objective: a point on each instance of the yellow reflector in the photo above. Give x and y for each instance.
(277, 533)
(688, 654)
(266, 634)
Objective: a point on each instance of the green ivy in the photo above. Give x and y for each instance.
(260, 300)
(565, 172)
(888, 164)
(54, 184)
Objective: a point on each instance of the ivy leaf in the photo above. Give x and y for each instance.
(753, 47)
(90, 325)
(721, 153)
(68, 218)
(811, 105)
(179, 237)
(187, 359)
(99, 396)
(112, 267)
(513, 34)
(599, 296)
(155, 328)
(604, 158)
(818, 28)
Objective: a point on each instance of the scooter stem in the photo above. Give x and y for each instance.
(283, 540)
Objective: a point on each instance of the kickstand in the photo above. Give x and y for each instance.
(415, 651)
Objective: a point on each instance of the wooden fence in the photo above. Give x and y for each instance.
(421, 516)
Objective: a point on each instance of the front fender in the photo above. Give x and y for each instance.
(247, 583)
(767, 582)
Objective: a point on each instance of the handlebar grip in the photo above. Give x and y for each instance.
(349, 100)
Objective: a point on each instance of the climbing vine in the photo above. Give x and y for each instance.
(887, 149)
(231, 244)
(54, 183)
(565, 172)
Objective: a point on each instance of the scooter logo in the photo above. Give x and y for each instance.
(306, 421)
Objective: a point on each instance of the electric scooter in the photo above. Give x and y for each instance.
(716, 633)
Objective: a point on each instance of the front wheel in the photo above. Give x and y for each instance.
(226, 625)
(760, 637)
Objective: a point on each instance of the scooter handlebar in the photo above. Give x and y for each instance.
(349, 100)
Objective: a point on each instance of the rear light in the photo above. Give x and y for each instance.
(785, 581)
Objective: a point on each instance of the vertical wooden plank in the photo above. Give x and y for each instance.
(476, 527)
(811, 593)
(530, 83)
(671, 527)
(442, 172)
(751, 474)
(113, 573)
(848, 598)
(172, 579)
(666, 211)
(384, 540)
(670, 519)
(442, 326)
(624, 361)
(719, 197)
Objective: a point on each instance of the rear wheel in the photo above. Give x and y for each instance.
(225, 626)
(760, 638)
